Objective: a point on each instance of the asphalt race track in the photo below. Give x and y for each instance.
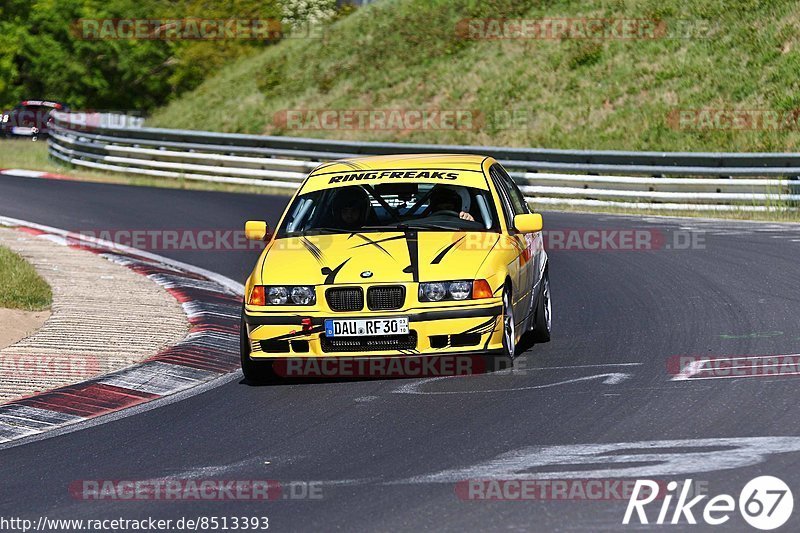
(388, 453)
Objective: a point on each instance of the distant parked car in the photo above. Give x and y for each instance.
(29, 118)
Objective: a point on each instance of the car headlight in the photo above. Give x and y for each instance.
(432, 292)
(438, 291)
(282, 295)
(303, 295)
(460, 290)
(290, 295)
(277, 295)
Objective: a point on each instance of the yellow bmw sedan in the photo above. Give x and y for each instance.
(397, 257)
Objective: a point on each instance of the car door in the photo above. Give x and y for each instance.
(535, 254)
(522, 271)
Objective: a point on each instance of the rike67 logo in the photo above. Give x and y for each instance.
(765, 503)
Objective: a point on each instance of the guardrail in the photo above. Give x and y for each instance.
(651, 180)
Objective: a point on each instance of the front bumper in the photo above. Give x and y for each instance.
(432, 331)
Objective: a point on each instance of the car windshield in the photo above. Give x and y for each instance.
(390, 207)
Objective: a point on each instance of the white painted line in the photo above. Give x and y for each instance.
(35, 415)
(23, 173)
(778, 375)
(751, 357)
(690, 369)
(611, 378)
(583, 366)
(643, 459)
(124, 413)
(9, 432)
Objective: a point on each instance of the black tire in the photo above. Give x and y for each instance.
(543, 317)
(254, 371)
(505, 360)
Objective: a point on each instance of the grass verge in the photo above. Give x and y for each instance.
(20, 286)
(553, 92)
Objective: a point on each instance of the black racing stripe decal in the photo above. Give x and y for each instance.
(443, 252)
(370, 242)
(488, 253)
(483, 327)
(413, 254)
(352, 164)
(495, 244)
(489, 336)
(331, 274)
(396, 237)
(313, 249)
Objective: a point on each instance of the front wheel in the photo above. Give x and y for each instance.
(543, 318)
(505, 360)
(509, 328)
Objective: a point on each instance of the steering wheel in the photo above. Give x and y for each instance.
(447, 212)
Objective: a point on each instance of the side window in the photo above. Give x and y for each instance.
(517, 198)
(503, 192)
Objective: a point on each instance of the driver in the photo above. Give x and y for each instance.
(349, 208)
(447, 199)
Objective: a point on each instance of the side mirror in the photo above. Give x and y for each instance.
(530, 223)
(256, 230)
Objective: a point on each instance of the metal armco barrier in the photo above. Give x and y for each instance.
(639, 180)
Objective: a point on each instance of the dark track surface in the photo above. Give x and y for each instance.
(359, 438)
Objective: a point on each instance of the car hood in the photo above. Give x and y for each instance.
(392, 256)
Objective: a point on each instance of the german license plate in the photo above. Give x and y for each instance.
(335, 327)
